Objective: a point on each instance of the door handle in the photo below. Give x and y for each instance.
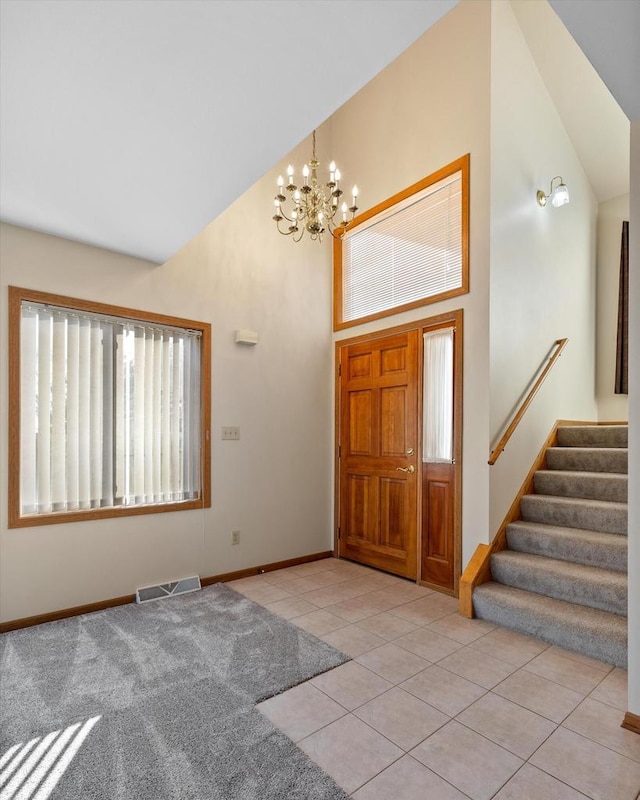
(411, 469)
(410, 451)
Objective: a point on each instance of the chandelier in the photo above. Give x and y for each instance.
(314, 206)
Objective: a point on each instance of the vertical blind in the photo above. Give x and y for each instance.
(409, 253)
(437, 427)
(110, 411)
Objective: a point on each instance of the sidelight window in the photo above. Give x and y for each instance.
(437, 397)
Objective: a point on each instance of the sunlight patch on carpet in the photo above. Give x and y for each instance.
(31, 771)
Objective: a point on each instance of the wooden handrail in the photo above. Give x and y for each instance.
(495, 454)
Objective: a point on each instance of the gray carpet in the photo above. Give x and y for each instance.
(174, 684)
(563, 577)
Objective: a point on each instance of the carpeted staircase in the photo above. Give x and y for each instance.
(563, 577)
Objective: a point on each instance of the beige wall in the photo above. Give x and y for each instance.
(426, 109)
(542, 261)
(611, 214)
(273, 485)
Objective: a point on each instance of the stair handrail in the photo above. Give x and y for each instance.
(560, 344)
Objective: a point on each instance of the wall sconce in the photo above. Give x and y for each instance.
(559, 195)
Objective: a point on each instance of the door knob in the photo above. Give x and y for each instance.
(410, 469)
(410, 451)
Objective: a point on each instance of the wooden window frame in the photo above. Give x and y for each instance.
(16, 519)
(461, 165)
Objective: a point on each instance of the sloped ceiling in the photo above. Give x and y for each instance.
(131, 125)
(597, 126)
(608, 32)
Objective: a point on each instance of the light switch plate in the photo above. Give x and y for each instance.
(230, 432)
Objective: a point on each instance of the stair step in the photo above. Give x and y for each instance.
(593, 436)
(588, 485)
(595, 587)
(588, 459)
(575, 512)
(592, 548)
(593, 633)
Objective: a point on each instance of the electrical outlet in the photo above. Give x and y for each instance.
(235, 537)
(230, 432)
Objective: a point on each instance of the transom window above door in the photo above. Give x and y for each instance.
(406, 252)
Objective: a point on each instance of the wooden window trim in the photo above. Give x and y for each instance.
(461, 165)
(16, 520)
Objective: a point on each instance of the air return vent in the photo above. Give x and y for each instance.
(162, 590)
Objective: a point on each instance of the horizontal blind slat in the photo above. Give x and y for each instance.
(406, 254)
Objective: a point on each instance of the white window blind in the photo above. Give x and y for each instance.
(437, 424)
(408, 253)
(110, 411)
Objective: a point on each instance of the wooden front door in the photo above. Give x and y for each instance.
(378, 453)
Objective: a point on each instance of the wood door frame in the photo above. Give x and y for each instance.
(448, 319)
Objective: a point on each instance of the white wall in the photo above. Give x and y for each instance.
(634, 424)
(542, 261)
(611, 406)
(426, 109)
(273, 485)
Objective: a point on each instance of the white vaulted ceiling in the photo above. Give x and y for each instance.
(131, 124)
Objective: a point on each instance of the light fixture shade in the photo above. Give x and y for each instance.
(560, 196)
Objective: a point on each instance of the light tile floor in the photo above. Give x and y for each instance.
(437, 706)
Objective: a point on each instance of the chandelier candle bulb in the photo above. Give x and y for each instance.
(290, 185)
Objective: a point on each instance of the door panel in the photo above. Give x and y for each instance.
(378, 427)
(392, 359)
(360, 504)
(361, 427)
(393, 412)
(438, 561)
(359, 366)
(393, 501)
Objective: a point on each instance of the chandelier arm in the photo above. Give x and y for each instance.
(283, 233)
(282, 212)
(338, 236)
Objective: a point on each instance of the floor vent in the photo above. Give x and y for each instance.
(162, 590)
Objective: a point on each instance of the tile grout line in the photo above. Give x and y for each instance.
(462, 646)
(600, 744)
